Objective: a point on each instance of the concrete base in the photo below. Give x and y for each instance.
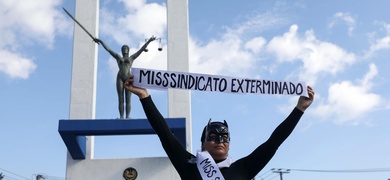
(107, 169)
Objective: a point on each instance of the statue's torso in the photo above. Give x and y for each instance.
(124, 65)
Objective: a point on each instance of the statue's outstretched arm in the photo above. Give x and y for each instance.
(136, 54)
(113, 53)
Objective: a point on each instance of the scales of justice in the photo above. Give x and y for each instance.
(79, 130)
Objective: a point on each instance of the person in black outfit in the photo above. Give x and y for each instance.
(215, 139)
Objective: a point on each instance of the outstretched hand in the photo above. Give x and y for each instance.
(305, 102)
(98, 41)
(140, 92)
(152, 39)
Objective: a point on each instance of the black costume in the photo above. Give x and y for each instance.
(245, 168)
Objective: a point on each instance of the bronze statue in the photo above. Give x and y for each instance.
(124, 62)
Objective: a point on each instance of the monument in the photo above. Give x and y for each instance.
(78, 132)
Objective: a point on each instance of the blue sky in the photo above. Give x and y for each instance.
(340, 48)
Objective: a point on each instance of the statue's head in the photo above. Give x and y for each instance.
(125, 50)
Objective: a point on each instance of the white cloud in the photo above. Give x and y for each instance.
(380, 43)
(348, 103)
(233, 53)
(259, 22)
(287, 47)
(224, 55)
(366, 81)
(16, 66)
(317, 56)
(153, 59)
(24, 23)
(345, 17)
(36, 20)
(134, 4)
(148, 20)
(141, 20)
(256, 44)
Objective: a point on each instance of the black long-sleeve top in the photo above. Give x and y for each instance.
(245, 168)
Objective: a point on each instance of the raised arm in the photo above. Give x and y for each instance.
(136, 54)
(256, 161)
(175, 151)
(287, 126)
(113, 53)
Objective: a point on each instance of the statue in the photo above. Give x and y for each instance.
(124, 62)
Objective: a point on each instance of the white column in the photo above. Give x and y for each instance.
(84, 70)
(179, 101)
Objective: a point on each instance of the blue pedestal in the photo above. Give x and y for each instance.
(74, 132)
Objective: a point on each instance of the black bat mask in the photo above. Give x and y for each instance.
(219, 130)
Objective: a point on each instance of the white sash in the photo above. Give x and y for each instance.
(208, 169)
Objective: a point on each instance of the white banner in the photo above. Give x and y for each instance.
(157, 79)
